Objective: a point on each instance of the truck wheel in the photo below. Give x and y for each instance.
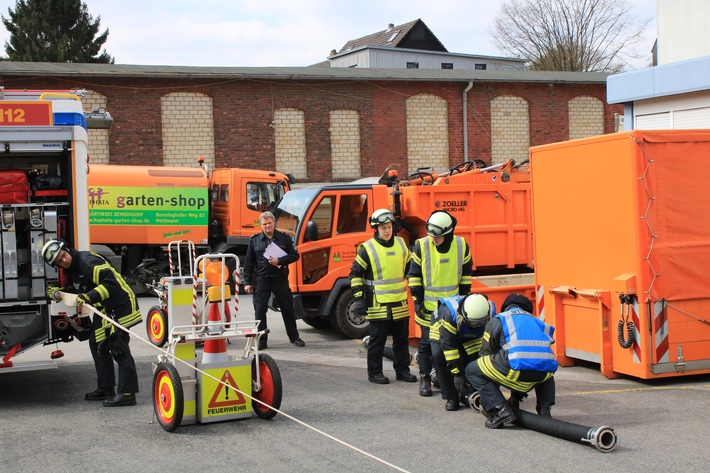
(317, 322)
(168, 397)
(157, 326)
(346, 320)
(271, 387)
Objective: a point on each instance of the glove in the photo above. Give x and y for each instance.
(102, 349)
(82, 299)
(117, 344)
(459, 384)
(52, 293)
(418, 308)
(360, 306)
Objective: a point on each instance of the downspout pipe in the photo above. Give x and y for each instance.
(464, 100)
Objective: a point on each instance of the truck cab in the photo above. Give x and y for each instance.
(237, 198)
(328, 224)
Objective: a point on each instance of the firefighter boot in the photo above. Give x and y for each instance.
(500, 415)
(100, 394)
(424, 385)
(543, 409)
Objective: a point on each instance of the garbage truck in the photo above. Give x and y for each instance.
(328, 223)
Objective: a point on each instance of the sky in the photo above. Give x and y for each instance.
(273, 33)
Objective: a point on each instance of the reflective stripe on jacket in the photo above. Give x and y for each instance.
(441, 272)
(385, 265)
(528, 341)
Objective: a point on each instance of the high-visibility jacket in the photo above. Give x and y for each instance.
(454, 334)
(441, 273)
(528, 341)
(105, 289)
(380, 270)
(515, 330)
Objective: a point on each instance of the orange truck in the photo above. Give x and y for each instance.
(135, 211)
(492, 206)
(622, 250)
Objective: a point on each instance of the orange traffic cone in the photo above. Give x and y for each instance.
(215, 350)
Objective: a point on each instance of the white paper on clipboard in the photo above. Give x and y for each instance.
(273, 251)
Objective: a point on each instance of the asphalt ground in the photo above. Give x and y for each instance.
(341, 422)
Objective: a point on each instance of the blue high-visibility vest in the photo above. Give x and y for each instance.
(528, 341)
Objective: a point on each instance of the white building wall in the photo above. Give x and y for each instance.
(682, 30)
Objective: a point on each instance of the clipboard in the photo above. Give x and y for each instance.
(273, 251)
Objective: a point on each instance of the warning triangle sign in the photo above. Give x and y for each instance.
(225, 396)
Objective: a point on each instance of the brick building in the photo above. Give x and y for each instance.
(324, 124)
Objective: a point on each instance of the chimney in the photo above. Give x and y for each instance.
(390, 26)
(333, 52)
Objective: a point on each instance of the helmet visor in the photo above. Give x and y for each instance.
(383, 218)
(51, 252)
(435, 230)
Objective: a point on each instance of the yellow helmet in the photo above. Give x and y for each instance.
(475, 309)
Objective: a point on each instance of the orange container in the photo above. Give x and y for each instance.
(622, 249)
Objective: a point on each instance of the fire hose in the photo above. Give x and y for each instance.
(602, 438)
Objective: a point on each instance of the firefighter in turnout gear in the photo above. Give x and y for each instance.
(516, 353)
(100, 285)
(456, 335)
(380, 291)
(441, 267)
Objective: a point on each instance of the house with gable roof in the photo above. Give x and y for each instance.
(411, 45)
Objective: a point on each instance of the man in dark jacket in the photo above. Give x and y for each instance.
(100, 285)
(516, 353)
(266, 271)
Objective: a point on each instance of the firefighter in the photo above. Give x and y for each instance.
(516, 353)
(440, 267)
(100, 285)
(378, 285)
(456, 335)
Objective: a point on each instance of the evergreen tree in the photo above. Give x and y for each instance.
(54, 31)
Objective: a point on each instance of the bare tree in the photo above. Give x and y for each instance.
(569, 35)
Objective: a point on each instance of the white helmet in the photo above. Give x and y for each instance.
(475, 310)
(439, 224)
(51, 250)
(381, 216)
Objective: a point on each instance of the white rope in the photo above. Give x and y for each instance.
(304, 424)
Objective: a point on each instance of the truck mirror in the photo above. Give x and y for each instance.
(311, 231)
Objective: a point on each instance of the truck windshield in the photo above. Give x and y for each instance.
(291, 209)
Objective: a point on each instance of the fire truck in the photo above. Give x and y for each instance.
(44, 154)
(136, 211)
(328, 223)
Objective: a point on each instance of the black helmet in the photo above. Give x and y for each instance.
(517, 300)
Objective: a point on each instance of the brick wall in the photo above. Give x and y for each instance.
(187, 129)
(586, 117)
(98, 139)
(244, 120)
(345, 144)
(290, 142)
(427, 133)
(510, 129)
